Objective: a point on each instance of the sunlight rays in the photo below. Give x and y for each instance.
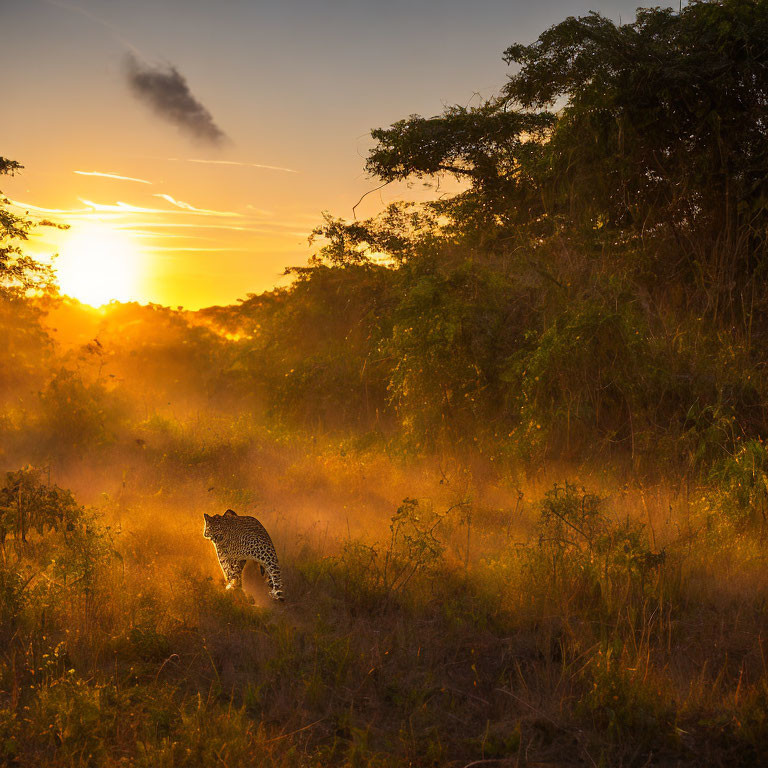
(134, 249)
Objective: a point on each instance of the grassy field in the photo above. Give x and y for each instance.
(434, 615)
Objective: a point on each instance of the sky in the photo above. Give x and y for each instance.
(192, 145)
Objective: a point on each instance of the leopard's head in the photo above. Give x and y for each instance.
(216, 524)
(213, 528)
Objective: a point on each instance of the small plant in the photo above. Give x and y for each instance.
(741, 484)
(622, 705)
(582, 553)
(413, 550)
(27, 503)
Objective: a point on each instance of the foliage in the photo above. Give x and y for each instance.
(582, 554)
(79, 414)
(18, 272)
(660, 134)
(27, 503)
(619, 705)
(591, 373)
(24, 345)
(413, 552)
(741, 481)
(312, 356)
(26, 350)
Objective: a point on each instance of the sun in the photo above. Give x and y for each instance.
(97, 264)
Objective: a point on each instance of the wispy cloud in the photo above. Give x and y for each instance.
(233, 162)
(191, 208)
(184, 209)
(39, 209)
(118, 207)
(111, 176)
(175, 249)
(145, 233)
(260, 211)
(127, 216)
(177, 225)
(166, 91)
(180, 228)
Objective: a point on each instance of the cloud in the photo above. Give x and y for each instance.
(184, 209)
(166, 91)
(232, 162)
(187, 207)
(178, 249)
(27, 207)
(112, 176)
(176, 225)
(260, 211)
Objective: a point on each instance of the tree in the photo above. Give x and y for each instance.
(611, 234)
(18, 272)
(24, 343)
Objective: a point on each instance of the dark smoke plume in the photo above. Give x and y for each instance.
(167, 92)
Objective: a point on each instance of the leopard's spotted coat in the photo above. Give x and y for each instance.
(239, 538)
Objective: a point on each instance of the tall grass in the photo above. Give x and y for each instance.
(434, 616)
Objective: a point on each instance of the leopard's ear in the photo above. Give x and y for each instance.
(230, 513)
(207, 517)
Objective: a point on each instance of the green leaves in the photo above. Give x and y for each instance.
(472, 142)
(17, 271)
(28, 503)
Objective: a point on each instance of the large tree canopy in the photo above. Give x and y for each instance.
(653, 132)
(602, 271)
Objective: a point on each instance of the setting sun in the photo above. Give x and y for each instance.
(97, 265)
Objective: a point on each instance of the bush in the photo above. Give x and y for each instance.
(741, 484)
(27, 503)
(587, 560)
(584, 376)
(76, 416)
(620, 704)
(378, 576)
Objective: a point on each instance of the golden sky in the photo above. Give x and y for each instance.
(192, 145)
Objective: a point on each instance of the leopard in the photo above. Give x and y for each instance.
(239, 538)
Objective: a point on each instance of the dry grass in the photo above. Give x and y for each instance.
(488, 650)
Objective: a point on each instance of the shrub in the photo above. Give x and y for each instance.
(741, 484)
(76, 415)
(585, 558)
(621, 705)
(27, 503)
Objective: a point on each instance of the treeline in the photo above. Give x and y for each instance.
(597, 289)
